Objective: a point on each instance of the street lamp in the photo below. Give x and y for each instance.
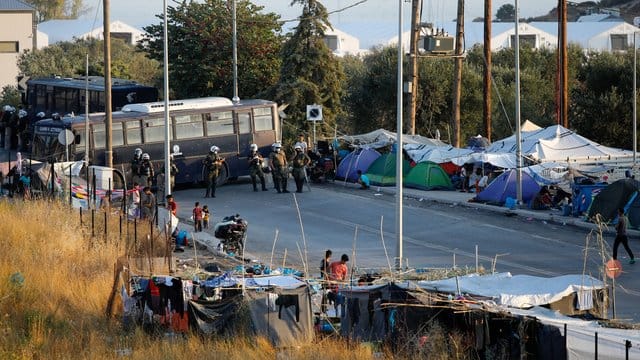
(635, 100)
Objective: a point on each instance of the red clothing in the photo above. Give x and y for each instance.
(197, 213)
(338, 271)
(173, 207)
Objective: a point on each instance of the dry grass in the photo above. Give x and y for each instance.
(55, 282)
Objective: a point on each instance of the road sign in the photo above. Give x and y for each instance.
(314, 112)
(65, 137)
(613, 268)
(22, 83)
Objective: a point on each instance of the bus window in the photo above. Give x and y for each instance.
(134, 135)
(98, 136)
(117, 138)
(262, 119)
(41, 97)
(60, 100)
(219, 123)
(244, 123)
(154, 130)
(189, 126)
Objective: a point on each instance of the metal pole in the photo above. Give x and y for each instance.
(399, 143)
(235, 53)
(108, 153)
(167, 122)
(518, 135)
(635, 101)
(86, 113)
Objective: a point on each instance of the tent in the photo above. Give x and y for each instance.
(381, 138)
(382, 172)
(437, 154)
(478, 143)
(505, 186)
(616, 195)
(359, 159)
(428, 176)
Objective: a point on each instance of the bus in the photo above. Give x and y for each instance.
(67, 95)
(195, 126)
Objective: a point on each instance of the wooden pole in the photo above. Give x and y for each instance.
(457, 82)
(486, 83)
(413, 69)
(565, 67)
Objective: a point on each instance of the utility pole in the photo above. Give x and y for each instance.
(108, 153)
(457, 82)
(413, 91)
(563, 81)
(486, 81)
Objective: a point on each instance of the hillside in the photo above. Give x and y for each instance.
(628, 10)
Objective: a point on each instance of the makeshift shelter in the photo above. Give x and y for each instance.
(359, 159)
(428, 176)
(380, 138)
(437, 154)
(478, 143)
(615, 196)
(505, 186)
(382, 171)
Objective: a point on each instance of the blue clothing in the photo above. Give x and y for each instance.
(364, 180)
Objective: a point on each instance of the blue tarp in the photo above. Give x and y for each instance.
(359, 159)
(505, 186)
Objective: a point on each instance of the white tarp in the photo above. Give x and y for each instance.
(581, 335)
(281, 281)
(557, 143)
(381, 138)
(503, 160)
(437, 154)
(519, 291)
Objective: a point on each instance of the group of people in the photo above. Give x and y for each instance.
(143, 173)
(333, 274)
(469, 180)
(14, 128)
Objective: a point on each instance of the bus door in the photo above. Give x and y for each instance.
(244, 137)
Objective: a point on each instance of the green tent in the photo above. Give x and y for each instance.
(428, 176)
(382, 172)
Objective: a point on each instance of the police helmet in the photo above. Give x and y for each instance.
(214, 149)
(8, 108)
(41, 115)
(253, 147)
(137, 152)
(277, 145)
(22, 113)
(145, 156)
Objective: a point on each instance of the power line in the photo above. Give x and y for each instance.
(329, 13)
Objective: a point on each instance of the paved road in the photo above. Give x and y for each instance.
(435, 234)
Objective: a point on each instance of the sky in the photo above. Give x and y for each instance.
(373, 22)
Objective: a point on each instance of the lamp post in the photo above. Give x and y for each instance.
(167, 123)
(518, 135)
(635, 101)
(399, 100)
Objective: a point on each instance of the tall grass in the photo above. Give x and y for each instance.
(55, 281)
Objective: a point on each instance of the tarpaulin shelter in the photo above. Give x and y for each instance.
(382, 171)
(380, 138)
(610, 199)
(478, 143)
(505, 186)
(436, 154)
(428, 176)
(359, 159)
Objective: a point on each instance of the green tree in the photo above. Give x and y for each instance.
(310, 73)
(201, 47)
(57, 9)
(506, 12)
(10, 96)
(67, 59)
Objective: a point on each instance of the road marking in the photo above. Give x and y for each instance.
(499, 228)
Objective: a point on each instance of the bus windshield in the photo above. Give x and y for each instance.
(46, 144)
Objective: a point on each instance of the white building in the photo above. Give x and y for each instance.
(596, 36)
(67, 30)
(17, 34)
(342, 43)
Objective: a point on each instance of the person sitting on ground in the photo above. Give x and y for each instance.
(363, 180)
(474, 178)
(542, 200)
(483, 182)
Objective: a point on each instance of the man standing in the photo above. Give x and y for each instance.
(172, 206)
(300, 161)
(621, 237)
(135, 166)
(338, 272)
(173, 171)
(255, 168)
(146, 170)
(302, 143)
(213, 163)
(148, 203)
(278, 164)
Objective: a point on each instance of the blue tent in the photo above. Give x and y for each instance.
(505, 186)
(359, 159)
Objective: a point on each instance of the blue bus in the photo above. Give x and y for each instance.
(196, 125)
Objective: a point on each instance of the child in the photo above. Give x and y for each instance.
(197, 217)
(205, 216)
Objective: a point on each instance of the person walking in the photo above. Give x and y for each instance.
(622, 238)
(146, 170)
(197, 217)
(278, 164)
(255, 168)
(213, 163)
(299, 162)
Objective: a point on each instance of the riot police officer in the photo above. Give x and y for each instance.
(135, 167)
(299, 162)
(255, 168)
(278, 164)
(146, 170)
(212, 163)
